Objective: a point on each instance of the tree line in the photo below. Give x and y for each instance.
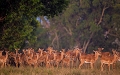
(87, 24)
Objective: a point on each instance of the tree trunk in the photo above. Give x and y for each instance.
(100, 20)
(86, 44)
(55, 41)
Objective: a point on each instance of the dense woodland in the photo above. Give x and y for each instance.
(87, 24)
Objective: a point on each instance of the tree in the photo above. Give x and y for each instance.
(89, 23)
(18, 19)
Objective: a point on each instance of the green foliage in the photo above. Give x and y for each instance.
(96, 2)
(85, 3)
(72, 27)
(82, 20)
(93, 27)
(42, 40)
(19, 23)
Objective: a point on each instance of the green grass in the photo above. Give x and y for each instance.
(59, 71)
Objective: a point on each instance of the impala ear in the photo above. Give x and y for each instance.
(93, 50)
(102, 48)
(116, 53)
(45, 51)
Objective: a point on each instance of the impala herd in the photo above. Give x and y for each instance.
(53, 58)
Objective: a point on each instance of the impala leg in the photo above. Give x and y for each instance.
(81, 63)
(72, 63)
(91, 64)
(5, 64)
(47, 64)
(2, 65)
(109, 66)
(62, 64)
(113, 65)
(57, 64)
(102, 66)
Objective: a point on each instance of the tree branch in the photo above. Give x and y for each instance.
(77, 22)
(101, 17)
(68, 31)
(113, 35)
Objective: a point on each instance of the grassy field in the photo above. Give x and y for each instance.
(59, 71)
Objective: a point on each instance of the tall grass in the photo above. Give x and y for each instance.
(60, 71)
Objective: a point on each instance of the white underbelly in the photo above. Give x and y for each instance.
(107, 63)
(118, 59)
(87, 62)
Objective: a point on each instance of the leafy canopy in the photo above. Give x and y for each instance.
(18, 19)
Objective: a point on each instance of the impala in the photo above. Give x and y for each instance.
(70, 57)
(109, 60)
(104, 53)
(33, 60)
(58, 57)
(17, 58)
(118, 53)
(89, 58)
(42, 57)
(50, 59)
(66, 61)
(75, 58)
(3, 59)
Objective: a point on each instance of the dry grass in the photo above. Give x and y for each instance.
(59, 71)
